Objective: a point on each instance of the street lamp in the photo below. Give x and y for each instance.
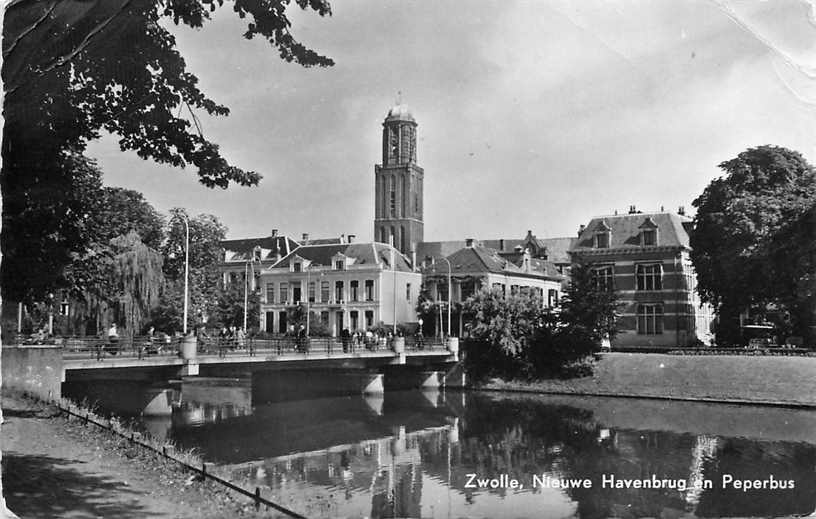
(450, 291)
(186, 272)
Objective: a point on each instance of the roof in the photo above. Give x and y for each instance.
(370, 253)
(557, 249)
(400, 112)
(322, 241)
(484, 259)
(625, 231)
(271, 246)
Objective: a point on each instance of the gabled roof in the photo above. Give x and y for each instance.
(625, 230)
(480, 259)
(241, 250)
(370, 253)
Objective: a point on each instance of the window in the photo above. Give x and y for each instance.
(338, 265)
(64, 307)
(353, 315)
(256, 254)
(338, 291)
(442, 291)
(649, 237)
(649, 277)
(296, 293)
(369, 290)
(416, 203)
(324, 318)
(311, 291)
(270, 292)
(393, 197)
(355, 289)
(650, 319)
(552, 297)
(369, 318)
(408, 292)
(514, 290)
(297, 267)
(603, 278)
(602, 240)
(496, 287)
(284, 292)
(324, 291)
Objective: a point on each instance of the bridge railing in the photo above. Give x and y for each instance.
(126, 346)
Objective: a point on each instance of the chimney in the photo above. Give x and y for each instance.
(681, 210)
(581, 229)
(501, 244)
(274, 233)
(305, 236)
(350, 238)
(469, 243)
(662, 209)
(632, 209)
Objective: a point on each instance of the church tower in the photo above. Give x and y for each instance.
(398, 183)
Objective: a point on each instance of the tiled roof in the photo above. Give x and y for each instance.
(625, 230)
(483, 259)
(363, 254)
(558, 248)
(241, 250)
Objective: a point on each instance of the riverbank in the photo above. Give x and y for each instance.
(53, 466)
(755, 380)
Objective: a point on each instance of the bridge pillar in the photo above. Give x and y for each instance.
(455, 378)
(159, 402)
(406, 378)
(453, 347)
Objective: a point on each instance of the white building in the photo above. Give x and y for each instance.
(348, 285)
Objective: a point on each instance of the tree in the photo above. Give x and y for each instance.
(794, 262)
(206, 233)
(587, 308)
(72, 69)
(230, 308)
(500, 333)
(737, 217)
(119, 211)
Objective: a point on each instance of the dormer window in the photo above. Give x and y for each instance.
(603, 235)
(339, 264)
(256, 254)
(297, 266)
(648, 232)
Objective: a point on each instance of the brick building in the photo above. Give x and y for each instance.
(645, 259)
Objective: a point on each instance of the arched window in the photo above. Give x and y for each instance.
(392, 189)
(383, 237)
(402, 239)
(393, 240)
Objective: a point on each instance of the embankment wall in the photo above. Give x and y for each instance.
(33, 369)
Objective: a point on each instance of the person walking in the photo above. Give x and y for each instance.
(113, 340)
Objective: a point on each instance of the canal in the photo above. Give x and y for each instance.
(472, 454)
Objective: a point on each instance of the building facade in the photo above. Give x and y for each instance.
(475, 267)
(398, 184)
(645, 259)
(350, 286)
(245, 258)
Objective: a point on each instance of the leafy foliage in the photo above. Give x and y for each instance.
(738, 216)
(517, 337)
(73, 69)
(230, 308)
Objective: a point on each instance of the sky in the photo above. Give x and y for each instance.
(532, 115)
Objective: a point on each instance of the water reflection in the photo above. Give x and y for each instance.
(412, 454)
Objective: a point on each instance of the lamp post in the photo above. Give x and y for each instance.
(308, 309)
(186, 271)
(450, 293)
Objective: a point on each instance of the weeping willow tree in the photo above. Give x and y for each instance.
(128, 284)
